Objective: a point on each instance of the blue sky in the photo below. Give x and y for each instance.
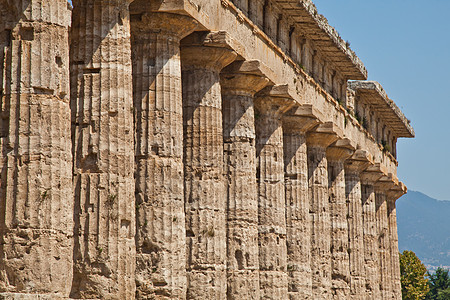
(405, 45)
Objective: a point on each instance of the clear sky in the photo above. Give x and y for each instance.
(405, 45)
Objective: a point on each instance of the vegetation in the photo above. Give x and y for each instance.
(413, 277)
(439, 284)
(385, 146)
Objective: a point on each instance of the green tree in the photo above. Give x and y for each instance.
(439, 283)
(414, 283)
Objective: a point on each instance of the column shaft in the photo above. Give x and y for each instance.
(370, 241)
(340, 261)
(355, 231)
(103, 147)
(205, 198)
(36, 208)
(160, 216)
(271, 200)
(394, 252)
(298, 219)
(317, 141)
(240, 168)
(383, 243)
(321, 225)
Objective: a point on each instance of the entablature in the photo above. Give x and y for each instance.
(373, 94)
(379, 115)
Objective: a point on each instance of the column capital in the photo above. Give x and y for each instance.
(170, 24)
(246, 77)
(323, 135)
(370, 178)
(203, 50)
(341, 150)
(220, 39)
(274, 99)
(359, 161)
(384, 183)
(396, 191)
(301, 119)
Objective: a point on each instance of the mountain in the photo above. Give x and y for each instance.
(424, 227)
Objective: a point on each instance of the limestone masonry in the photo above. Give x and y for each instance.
(192, 149)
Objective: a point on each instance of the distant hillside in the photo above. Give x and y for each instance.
(424, 227)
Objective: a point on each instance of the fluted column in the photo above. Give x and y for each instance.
(383, 238)
(391, 197)
(317, 141)
(36, 206)
(269, 108)
(371, 246)
(205, 198)
(160, 216)
(298, 220)
(340, 261)
(240, 81)
(103, 147)
(353, 168)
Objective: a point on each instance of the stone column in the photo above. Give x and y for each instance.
(371, 246)
(160, 216)
(391, 197)
(384, 265)
(298, 220)
(204, 181)
(340, 261)
(270, 104)
(317, 141)
(240, 81)
(103, 148)
(353, 167)
(36, 206)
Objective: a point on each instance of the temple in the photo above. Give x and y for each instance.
(192, 149)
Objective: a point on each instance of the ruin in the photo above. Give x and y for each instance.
(192, 149)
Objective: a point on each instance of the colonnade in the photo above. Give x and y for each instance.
(176, 169)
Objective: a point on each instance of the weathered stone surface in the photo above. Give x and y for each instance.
(204, 181)
(239, 84)
(228, 207)
(36, 205)
(340, 261)
(271, 194)
(160, 216)
(298, 219)
(103, 148)
(318, 139)
(353, 168)
(371, 247)
(384, 263)
(393, 249)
